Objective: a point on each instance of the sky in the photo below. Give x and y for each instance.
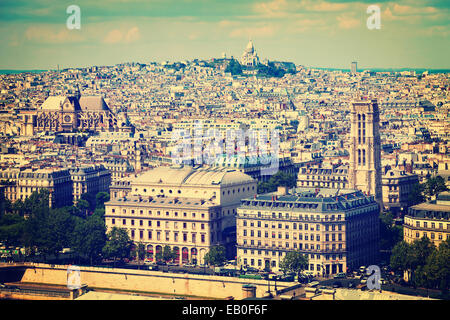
(313, 33)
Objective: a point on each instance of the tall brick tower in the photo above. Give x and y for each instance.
(365, 149)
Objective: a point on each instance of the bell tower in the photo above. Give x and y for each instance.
(365, 149)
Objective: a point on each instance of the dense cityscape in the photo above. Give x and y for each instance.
(224, 178)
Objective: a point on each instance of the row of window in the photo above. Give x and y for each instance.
(295, 245)
(306, 226)
(311, 256)
(427, 224)
(326, 178)
(287, 215)
(258, 234)
(432, 235)
(273, 264)
(159, 236)
(159, 224)
(320, 183)
(159, 213)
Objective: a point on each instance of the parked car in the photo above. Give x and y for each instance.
(341, 275)
(172, 264)
(189, 265)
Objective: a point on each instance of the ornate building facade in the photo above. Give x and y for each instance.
(70, 113)
(365, 149)
(250, 57)
(189, 209)
(337, 229)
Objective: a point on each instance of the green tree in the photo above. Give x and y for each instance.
(278, 179)
(49, 231)
(99, 212)
(36, 203)
(168, 254)
(100, 199)
(90, 198)
(215, 256)
(118, 244)
(12, 227)
(89, 238)
(400, 257)
(434, 185)
(5, 205)
(437, 268)
(412, 259)
(420, 251)
(139, 253)
(294, 261)
(416, 194)
(390, 234)
(234, 67)
(82, 206)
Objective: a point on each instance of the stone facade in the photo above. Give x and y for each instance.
(365, 149)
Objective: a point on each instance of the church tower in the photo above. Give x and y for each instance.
(250, 57)
(365, 149)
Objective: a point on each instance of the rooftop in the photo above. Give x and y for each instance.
(312, 199)
(187, 175)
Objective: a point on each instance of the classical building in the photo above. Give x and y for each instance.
(397, 186)
(90, 179)
(365, 149)
(187, 208)
(119, 167)
(69, 113)
(21, 184)
(320, 177)
(337, 229)
(120, 188)
(250, 57)
(430, 219)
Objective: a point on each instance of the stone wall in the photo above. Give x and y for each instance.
(151, 281)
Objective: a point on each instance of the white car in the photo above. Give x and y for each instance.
(189, 265)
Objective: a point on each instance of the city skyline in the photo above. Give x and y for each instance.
(413, 34)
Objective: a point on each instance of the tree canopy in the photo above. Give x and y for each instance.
(215, 256)
(118, 244)
(426, 265)
(279, 179)
(294, 261)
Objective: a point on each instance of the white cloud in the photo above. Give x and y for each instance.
(50, 34)
(117, 36)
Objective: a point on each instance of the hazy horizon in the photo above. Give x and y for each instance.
(331, 34)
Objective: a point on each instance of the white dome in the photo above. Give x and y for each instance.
(250, 47)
